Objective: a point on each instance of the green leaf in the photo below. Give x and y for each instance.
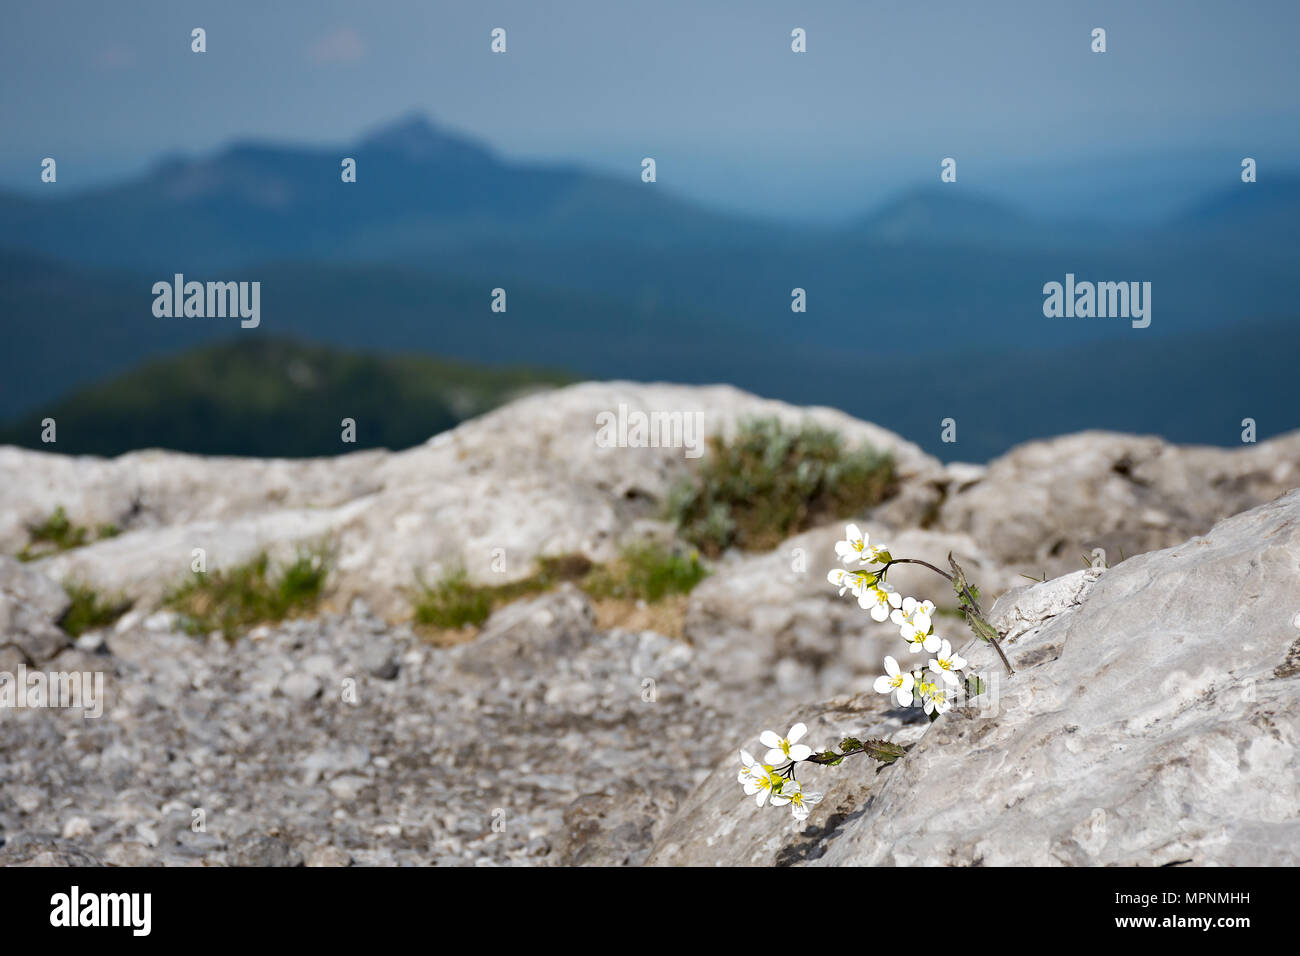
(850, 743)
(885, 751)
(830, 758)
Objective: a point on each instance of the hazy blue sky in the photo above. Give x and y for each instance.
(710, 89)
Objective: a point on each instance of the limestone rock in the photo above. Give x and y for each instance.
(30, 606)
(1154, 719)
(525, 480)
(1046, 505)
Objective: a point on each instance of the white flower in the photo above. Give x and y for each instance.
(855, 547)
(748, 766)
(787, 747)
(756, 777)
(945, 663)
(918, 640)
(914, 623)
(935, 700)
(917, 613)
(800, 802)
(853, 581)
(895, 682)
(878, 599)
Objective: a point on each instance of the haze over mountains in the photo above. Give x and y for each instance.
(927, 307)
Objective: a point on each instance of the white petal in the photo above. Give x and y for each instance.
(762, 796)
(800, 752)
(904, 697)
(774, 756)
(882, 685)
(879, 612)
(746, 758)
(796, 733)
(891, 666)
(768, 738)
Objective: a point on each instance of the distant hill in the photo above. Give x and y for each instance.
(419, 189)
(275, 398)
(1263, 211)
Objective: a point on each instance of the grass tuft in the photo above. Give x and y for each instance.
(771, 481)
(232, 600)
(89, 610)
(644, 572)
(57, 534)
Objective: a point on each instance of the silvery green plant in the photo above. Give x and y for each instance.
(931, 687)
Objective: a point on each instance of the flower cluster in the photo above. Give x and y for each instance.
(773, 777)
(929, 686)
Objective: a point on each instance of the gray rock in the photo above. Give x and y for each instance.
(262, 850)
(301, 686)
(1045, 506)
(527, 479)
(30, 607)
(1153, 720)
(378, 661)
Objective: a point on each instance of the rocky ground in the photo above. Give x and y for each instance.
(1151, 721)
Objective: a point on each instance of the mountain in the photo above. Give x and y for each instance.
(1267, 211)
(275, 398)
(418, 189)
(939, 290)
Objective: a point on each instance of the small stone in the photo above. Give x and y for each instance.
(379, 661)
(77, 828)
(328, 856)
(300, 686)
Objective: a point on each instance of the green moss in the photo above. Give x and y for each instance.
(231, 600)
(454, 602)
(57, 533)
(89, 610)
(649, 572)
(772, 481)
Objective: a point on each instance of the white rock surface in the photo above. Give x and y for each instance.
(527, 478)
(1154, 719)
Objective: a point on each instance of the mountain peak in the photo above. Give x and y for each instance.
(416, 137)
